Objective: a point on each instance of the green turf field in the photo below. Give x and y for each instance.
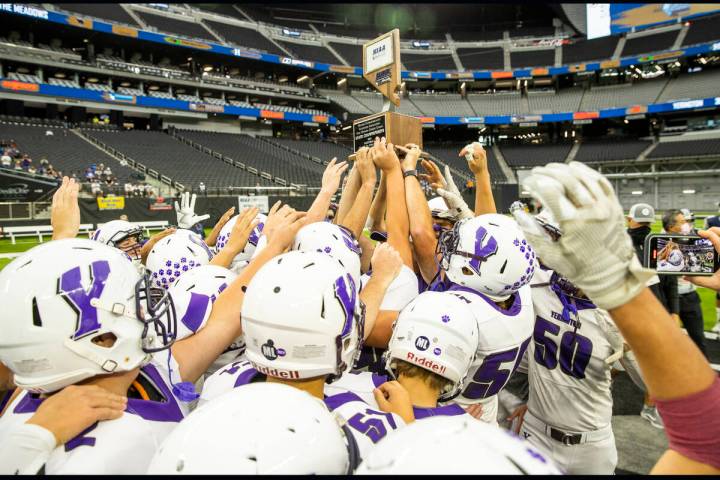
(707, 296)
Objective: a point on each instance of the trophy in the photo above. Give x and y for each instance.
(381, 67)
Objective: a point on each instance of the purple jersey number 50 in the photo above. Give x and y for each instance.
(489, 378)
(575, 349)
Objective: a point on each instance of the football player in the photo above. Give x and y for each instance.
(303, 326)
(455, 445)
(569, 411)
(284, 431)
(428, 374)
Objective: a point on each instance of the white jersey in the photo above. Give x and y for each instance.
(569, 378)
(367, 423)
(123, 446)
(504, 336)
(401, 291)
(362, 384)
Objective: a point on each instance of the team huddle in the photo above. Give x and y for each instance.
(285, 342)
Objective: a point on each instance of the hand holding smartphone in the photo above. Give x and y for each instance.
(669, 254)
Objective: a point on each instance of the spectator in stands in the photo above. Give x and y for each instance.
(107, 171)
(18, 165)
(6, 161)
(129, 189)
(25, 162)
(689, 301)
(201, 187)
(89, 174)
(664, 287)
(149, 191)
(714, 221)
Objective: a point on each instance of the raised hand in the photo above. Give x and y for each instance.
(433, 176)
(185, 212)
(147, 246)
(276, 213)
(366, 167)
(288, 224)
(65, 211)
(476, 157)
(332, 175)
(383, 155)
(453, 198)
(412, 154)
(386, 262)
(212, 238)
(242, 229)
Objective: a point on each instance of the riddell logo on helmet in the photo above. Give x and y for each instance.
(274, 372)
(427, 364)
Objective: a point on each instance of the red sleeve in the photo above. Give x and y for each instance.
(692, 424)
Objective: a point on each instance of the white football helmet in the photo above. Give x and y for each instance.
(334, 240)
(675, 258)
(454, 445)
(488, 254)
(242, 258)
(437, 332)
(302, 318)
(117, 232)
(60, 296)
(261, 428)
(175, 254)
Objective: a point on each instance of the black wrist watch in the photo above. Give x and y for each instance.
(410, 173)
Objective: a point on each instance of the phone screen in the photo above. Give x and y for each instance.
(680, 255)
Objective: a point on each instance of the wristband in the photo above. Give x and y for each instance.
(410, 173)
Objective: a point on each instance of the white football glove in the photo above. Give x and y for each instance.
(595, 252)
(185, 212)
(453, 198)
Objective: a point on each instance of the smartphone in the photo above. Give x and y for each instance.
(680, 255)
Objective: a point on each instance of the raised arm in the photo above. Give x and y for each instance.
(349, 192)
(477, 161)
(212, 237)
(330, 183)
(196, 353)
(383, 155)
(65, 211)
(238, 238)
(360, 203)
(596, 254)
(424, 241)
(379, 206)
(386, 267)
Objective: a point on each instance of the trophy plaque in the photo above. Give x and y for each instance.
(381, 68)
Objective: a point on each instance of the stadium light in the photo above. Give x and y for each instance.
(636, 192)
(302, 79)
(207, 68)
(689, 191)
(341, 82)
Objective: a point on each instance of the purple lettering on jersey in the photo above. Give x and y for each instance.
(195, 311)
(164, 411)
(234, 367)
(347, 296)
(489, 378)
(70, 288)
(483, 251)
(81, 439)
(245, 377)
(378, 379)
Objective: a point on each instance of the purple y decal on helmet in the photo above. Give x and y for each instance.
(483, 251)
(195, 311)
(201, 243)
(255, 234)
(70, 288)
(347, 296)
(350, 241)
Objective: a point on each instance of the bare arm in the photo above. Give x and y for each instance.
(212, 237)
(195, 353)
(484, 200)
(238, 238)
(357, 216)
(349, 192)
(398, 225)
(421, 225)
(386, 266)
(377, 210)
(330, 183)
(65, 211)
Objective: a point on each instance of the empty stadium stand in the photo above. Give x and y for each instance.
(686, 148)
(347, 102)
(310, 52)
(105, 11)
(449, 104)
(533, 58)
(244, 37)
(178, 27)
(428, 62)
(448, 153)
(534, 155)
(649, 43)
(351, 53)
(481, 58)
(610, 149)
(584, 50)
(260, 154)
(66, 151)
(692, 85)
(702, 30)
(498, 103)
(638, 93)
(567, 100)
(323, 150)
(177, 160)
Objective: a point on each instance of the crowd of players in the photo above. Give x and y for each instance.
(289, 343)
